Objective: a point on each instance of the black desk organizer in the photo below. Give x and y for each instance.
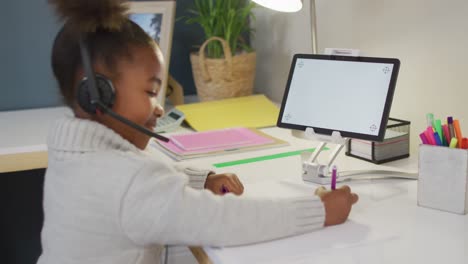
(392, 124)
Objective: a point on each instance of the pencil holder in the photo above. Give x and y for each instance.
(443, 178)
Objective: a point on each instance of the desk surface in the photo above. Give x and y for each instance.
(23, 137)
(386, 226)
(27, 128)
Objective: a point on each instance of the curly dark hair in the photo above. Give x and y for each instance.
(109, 36)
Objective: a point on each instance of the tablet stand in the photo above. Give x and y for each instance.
(315, 172)
(312, 170)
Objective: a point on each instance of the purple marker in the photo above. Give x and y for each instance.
(333, 179)
(224, 189)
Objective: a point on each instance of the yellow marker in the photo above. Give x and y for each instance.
(453, 143)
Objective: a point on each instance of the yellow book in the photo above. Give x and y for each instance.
(248, 111)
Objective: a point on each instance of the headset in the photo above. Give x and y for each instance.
(96, 93)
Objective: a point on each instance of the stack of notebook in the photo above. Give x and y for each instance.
(216, 142)
(394, 146)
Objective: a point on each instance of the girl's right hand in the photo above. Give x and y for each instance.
(337, 204)
(224, 183)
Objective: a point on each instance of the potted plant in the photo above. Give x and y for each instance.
(224, 66)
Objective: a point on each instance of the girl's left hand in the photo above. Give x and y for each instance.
(224, 183)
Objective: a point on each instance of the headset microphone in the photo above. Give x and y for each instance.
(122, 119)
(96, 92)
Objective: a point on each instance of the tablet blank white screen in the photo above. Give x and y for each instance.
(338, 95)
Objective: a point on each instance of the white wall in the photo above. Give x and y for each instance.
(430, 37)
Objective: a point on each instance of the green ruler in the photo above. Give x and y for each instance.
(262, 158)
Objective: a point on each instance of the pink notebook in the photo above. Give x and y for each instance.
(215, 140)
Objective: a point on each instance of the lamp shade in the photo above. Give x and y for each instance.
(281, 5)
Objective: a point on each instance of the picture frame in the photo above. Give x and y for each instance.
(157, 19)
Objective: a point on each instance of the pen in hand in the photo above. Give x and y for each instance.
(224, 189)
(333, 178)
(321, 191)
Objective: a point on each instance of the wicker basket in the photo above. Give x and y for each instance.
(231, 76)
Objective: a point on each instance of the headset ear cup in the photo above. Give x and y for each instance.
(105, 90)
(84, 97)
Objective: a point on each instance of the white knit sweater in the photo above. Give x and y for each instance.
(105, 201)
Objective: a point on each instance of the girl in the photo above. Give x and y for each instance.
(105, 199)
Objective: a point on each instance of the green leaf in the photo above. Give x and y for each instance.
(228, 19)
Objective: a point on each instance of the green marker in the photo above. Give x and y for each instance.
(438, 128)
(430, 119)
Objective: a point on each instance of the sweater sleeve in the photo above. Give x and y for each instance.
(163, 210)
(197, 177)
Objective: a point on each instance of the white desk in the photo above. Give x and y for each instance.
(23, 137)
(386, 226)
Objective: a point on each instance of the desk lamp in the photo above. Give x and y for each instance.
(294, 6)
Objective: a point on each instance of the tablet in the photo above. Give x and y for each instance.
(352, 95)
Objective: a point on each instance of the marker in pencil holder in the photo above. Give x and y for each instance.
(443, 178)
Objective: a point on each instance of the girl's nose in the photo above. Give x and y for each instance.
(158, 110)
